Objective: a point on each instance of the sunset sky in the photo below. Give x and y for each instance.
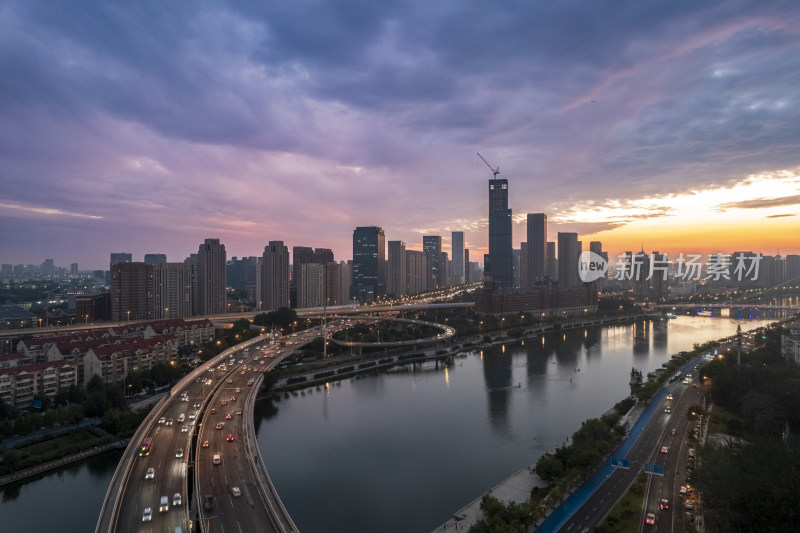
(146, 127)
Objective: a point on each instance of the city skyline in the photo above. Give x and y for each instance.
(667, 127)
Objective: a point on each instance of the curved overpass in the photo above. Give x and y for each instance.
(447, 333)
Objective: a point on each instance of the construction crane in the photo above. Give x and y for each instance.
(495, 171)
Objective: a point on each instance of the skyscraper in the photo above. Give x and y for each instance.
(498, 262)
(300, 256)
(275, 276)
(432, 245)
(323, 255)
(311, 285)
(466, 266)
(537, 247)
(211, 278)
(457, 244)
(369, 263)
(568, 259)
(396, 268)
(551, 262)
(417, 272)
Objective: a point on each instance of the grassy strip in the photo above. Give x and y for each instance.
(26, 456)
(626, 516)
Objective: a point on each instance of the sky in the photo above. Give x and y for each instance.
(147, 127)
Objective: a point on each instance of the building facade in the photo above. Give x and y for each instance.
(369, 263)
(211, 278)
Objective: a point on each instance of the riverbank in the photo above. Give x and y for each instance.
(107, 442)
(350, 366)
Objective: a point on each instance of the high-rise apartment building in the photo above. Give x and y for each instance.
(568, 253)
(467, 277)
(537, 248)
(369, 263)
(417, 272)
(73, 269)
(172, 290)
(300, 256)
(154, 259)
(211, 278)
(311, 285)
(457, 245)
(396, 268)
(432, 245)
(498, 262)
(323, 255)
(345, 274)
(131, 291)
(275, 276)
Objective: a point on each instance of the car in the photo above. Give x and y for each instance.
(148, 514)
(242, 372)
(667, 410)
(650, 519)
(169, 421)
(249, 383)
(228, 416)
(208, 502)
(217, 459)
(236, 492)
(224, 402)
(663, 504)
(179, 453)
(673, 431)
(694, 385)
(219, 425)
(164, 505)
(150, 474)
(176, 499)
(691, 452)
(664, 449)
(229, 438)
(184, 429)
(238, 389)
(230, 381)
(669, 397)
(213, 410)
(684, 489)
(233, 398)
(162, 420)
(238, 411)
(184, 398)
(192, 416)
(196, 405)
(205, 444)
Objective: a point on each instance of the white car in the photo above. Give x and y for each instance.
(217, 459)
(162, 420)
(184, 429)
(151, 473)
(236, 492)
(176, 500)
(147, 515)
(179, 453)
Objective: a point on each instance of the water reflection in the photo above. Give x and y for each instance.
(497, 375)
(641, 338)
(660, 329)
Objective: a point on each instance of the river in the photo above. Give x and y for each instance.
(403, 450)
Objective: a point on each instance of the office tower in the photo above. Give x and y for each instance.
(417, 272)
(311, 285)
(172, 290)
(568, 259)
(432, 245)
(466, 266)
(211, 279)
(498, 262)
(658, 283)
(792, 268)
(516, 256)
(154, 259)
(73, 269)
(275, 276)
(596, 247)
(445, 269)
(523, 265)
(323, 255)
(641, 270)
(396, 268)
(121, 258)
(457, 245)
(345, 281)
(131, 291)
(551, 262)
(369, 263)
(537, 247)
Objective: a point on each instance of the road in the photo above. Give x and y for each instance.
(187, 420)
(655, 433)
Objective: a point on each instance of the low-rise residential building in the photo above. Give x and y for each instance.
(19, 384)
